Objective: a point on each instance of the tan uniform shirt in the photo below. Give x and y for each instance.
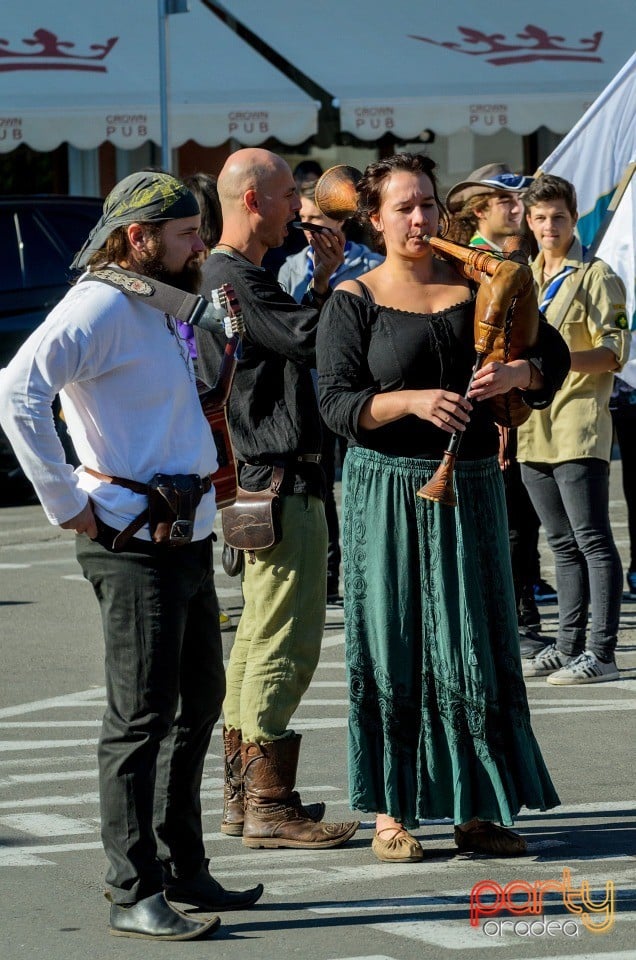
(578, 424)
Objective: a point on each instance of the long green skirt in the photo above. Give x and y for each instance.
(439, 724)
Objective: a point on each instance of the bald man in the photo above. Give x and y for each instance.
(275, 427)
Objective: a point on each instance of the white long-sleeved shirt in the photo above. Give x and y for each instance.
(129, 398)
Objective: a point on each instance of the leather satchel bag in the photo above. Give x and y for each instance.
(253, 522)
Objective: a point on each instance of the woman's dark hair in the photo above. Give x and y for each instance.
(203, 186)
(549, 187)
(371, 186)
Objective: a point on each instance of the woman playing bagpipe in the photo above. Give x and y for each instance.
(439, 724)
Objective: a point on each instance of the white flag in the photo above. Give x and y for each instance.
(594, 156)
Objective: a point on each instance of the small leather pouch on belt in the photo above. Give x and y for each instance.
(172, 503)
(253, 522)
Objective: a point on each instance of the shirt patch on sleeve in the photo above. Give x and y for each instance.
(621, 320)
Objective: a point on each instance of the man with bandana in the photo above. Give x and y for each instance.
(128, 393)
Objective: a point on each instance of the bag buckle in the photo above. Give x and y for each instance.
(181, 531)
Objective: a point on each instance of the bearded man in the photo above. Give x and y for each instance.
(129, 397)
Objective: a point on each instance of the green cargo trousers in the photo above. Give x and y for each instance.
(278, 638)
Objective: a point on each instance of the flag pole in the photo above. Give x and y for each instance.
(165, 8)
(617, 196)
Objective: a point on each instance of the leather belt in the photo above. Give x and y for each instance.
(285, 461)
(123, 536)
(135, 486)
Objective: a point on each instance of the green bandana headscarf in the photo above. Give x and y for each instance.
(140, 198)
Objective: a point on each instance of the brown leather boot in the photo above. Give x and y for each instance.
(233, 795)
(274, 816)
(233, 798)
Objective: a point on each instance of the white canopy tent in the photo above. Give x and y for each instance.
(407, 66)
(85, 72)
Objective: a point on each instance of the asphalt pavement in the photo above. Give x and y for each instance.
(575, 894)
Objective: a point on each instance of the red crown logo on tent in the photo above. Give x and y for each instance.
(54, 54)
(542, 46)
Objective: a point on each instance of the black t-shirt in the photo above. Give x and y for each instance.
(272, 410)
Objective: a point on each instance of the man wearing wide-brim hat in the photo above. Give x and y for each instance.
(487, 207)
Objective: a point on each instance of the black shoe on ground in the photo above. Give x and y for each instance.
(205, 892)
(530, 642)
(154, 919)
(544, 592)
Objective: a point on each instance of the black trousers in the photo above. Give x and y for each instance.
(331, 443)
(625, 426)
(523, 524)
(165, 685)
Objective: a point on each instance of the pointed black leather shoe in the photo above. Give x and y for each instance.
(205, 892)
(154, 919)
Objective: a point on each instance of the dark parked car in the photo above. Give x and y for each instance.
(39, 237)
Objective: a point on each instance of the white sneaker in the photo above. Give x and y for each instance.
(586, 668)
(546, 661)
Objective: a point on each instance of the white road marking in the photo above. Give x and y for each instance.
(8, 746)
(447, 934)
(51, 761)
(21, 857)
(49, 777)
(326, 723)
(56, 801)
(47, 824)
(328, 683)
(618, 706)
(14, 566)
(333, 640)
(612, 955)
(46, 724)
(94, 694)
(601, 807)
(229, 592)
(310, 702)
(40, 545)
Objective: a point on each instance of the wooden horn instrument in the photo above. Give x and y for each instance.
(514, 280)
(336, 194)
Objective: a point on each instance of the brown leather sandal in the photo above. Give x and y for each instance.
(400, 847)
(486, 837)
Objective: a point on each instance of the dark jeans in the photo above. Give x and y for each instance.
(523, 526)
(164, 689)
(330, 443)
(625, 426)
(572, 500)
